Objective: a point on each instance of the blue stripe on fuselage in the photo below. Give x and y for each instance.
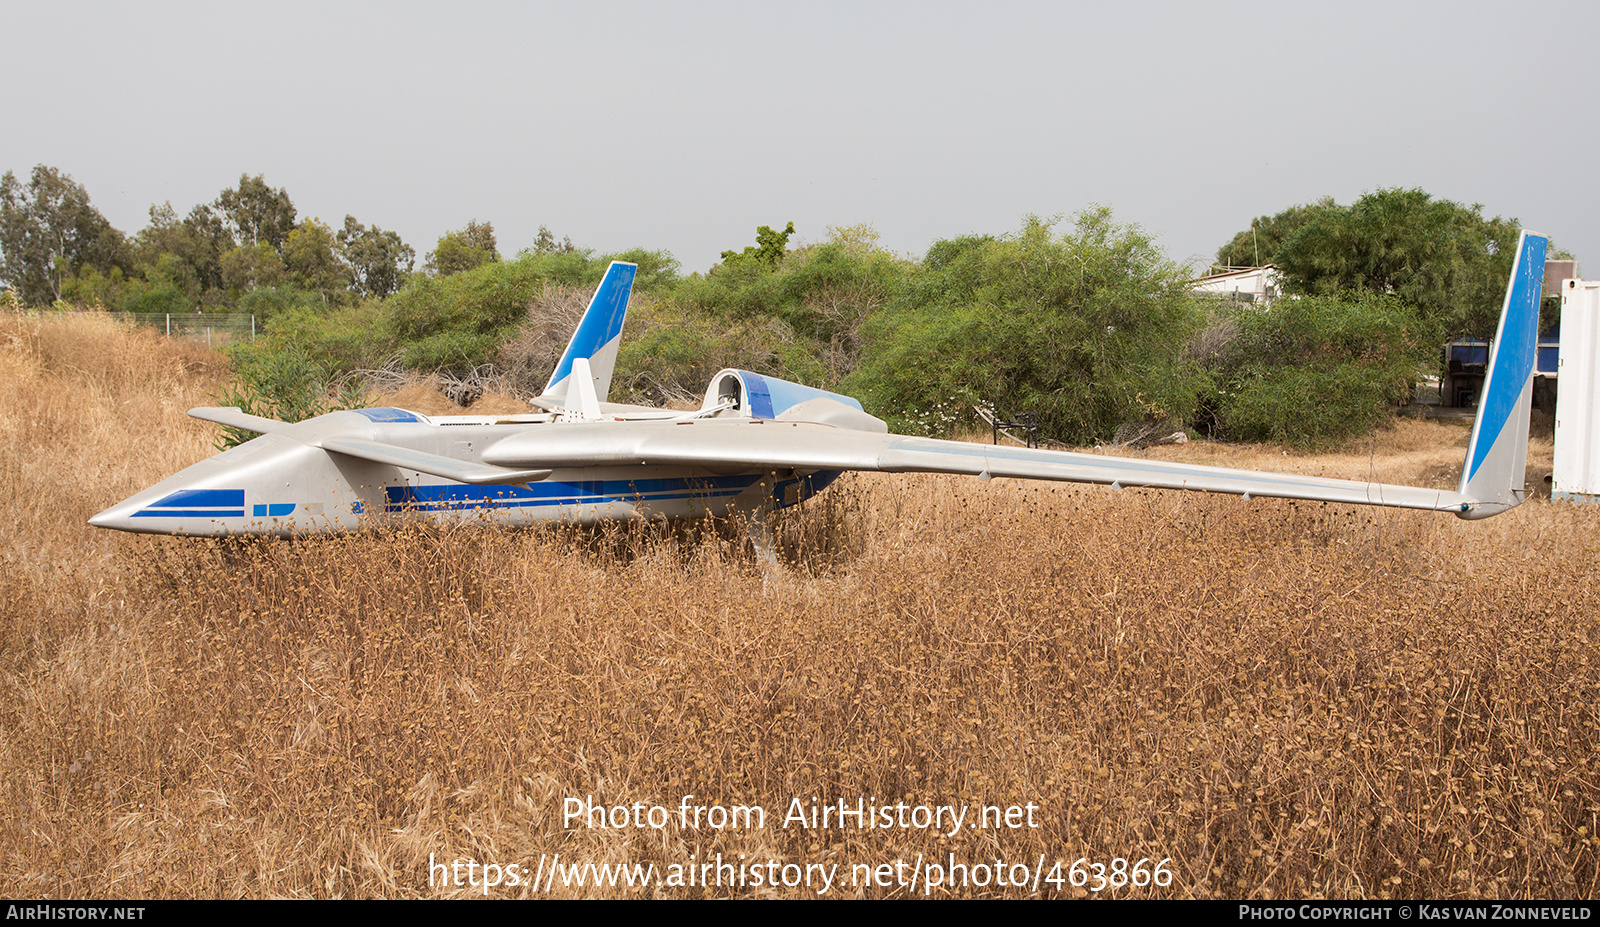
(273, 510)
(203, 498)
(449, 496)
(804, 486)
(197, 503)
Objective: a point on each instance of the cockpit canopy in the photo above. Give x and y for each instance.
(762, 397)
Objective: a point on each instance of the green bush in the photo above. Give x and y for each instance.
(820, 294)
(269, 302)
(283, 382)
(340, 339)
(1319, 369)
(1086, 329)
(657, 273)
(457, 321)
(670, 351)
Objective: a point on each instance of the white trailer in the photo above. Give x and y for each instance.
(1576, 475)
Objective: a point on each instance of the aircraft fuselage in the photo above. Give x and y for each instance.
(286, 483)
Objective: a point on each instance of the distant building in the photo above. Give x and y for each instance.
(1557, 271)
(1259, 285)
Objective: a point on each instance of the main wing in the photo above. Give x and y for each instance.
(817, 432)
(754, 445)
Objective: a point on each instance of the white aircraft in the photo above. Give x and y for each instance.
(756, 443)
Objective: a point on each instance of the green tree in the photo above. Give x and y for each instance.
(768, 250)
(48, 231)
(257, 213)
(1087, 329)
(270, 302)
(166, 233)
(167, 284)
(89, 287)
(1259, 243)
(546, 242)
(248, 267)
(463, 250)
(313, 264)
(187, 262)
(672, 350)
(379, 261)
(207, 239)
(1447, 260)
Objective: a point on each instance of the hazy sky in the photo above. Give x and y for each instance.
(683, 126)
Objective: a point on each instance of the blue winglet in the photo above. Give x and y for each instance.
(1497, 454)
(598, 333)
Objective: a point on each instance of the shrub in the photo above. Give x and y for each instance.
(285, 383)
(670, 351)
(1316, 370)
(1086, 329)
(821, 295)
(268, 302)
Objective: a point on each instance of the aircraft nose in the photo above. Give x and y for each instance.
(116, 518)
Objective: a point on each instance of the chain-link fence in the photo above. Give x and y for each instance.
(215, 329)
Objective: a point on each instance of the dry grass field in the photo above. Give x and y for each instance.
(1279, 700)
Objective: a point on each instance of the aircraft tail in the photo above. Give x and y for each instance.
(597, 335)
(1497, 455)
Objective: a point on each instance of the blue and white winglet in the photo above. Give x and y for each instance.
(593, 347)
(756, 443)
(1492, 478)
